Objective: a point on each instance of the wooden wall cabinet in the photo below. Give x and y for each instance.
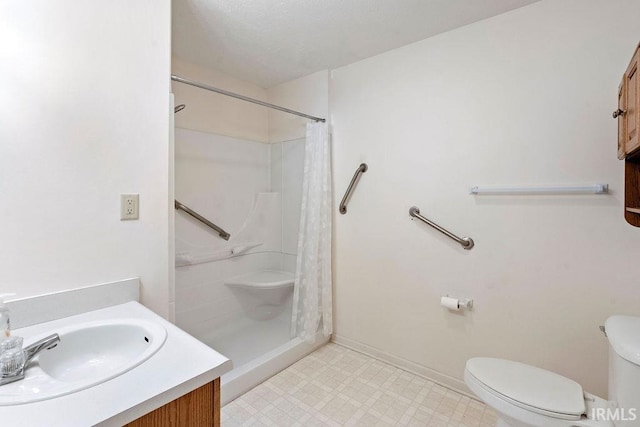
(632, 190)
(199, 408)
(627, 112)
(628, 116)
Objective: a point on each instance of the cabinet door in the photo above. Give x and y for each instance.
(199, 408)
(632, 115)
(622, 106)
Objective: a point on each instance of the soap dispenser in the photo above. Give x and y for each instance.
(12, 356)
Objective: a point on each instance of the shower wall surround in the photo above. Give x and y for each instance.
(225, 175)
(251, 189)
(287, 170)
(524, 98)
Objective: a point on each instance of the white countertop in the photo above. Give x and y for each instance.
(181, 365)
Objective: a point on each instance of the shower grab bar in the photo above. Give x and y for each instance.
(343, 204)
(202, 219)
(466, 242)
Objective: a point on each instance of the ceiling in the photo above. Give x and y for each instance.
(268, 42)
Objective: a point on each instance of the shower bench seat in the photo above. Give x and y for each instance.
(264, 279)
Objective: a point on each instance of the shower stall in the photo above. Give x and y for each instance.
(237, 237)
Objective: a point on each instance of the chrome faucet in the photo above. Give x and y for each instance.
(46, 343)
(14, 363)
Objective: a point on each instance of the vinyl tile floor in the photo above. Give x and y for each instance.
(335, 386)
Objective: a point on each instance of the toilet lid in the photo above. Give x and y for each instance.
(530, 386)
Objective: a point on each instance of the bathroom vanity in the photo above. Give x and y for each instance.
(163, 376)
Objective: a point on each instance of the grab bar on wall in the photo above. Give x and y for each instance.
(202, 219)
(466, 242)
(343, 204)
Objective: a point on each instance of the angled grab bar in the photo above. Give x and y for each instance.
(343, 204)
(202, 219)
(466, 242)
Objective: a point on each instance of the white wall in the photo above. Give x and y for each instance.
(85, 118)
(219, 114)
(524, 98)
(309, 95)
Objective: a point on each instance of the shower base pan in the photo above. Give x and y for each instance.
(243, 378)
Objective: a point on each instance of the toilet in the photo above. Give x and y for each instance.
(526, 396)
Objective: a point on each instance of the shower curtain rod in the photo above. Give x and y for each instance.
(242, 97)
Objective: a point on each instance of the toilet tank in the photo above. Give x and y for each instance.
(624, 369)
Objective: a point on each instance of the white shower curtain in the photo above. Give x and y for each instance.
(312, 290)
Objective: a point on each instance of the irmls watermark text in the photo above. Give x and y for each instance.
(611, 414)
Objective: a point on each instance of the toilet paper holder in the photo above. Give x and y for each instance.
(456, 304)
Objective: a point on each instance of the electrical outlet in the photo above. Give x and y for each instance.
(129, 206)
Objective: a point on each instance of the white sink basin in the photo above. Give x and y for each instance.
(87, 354)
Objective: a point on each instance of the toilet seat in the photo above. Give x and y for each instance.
(527, 387)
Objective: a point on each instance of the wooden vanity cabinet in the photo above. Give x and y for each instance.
(201, 407)
(628, 116)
